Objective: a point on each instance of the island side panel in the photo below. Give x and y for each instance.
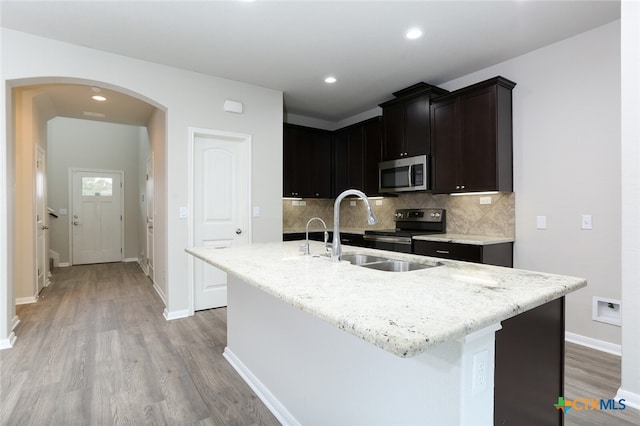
(529, 376)
(310, 372)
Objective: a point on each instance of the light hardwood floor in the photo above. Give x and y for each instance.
(96, 350)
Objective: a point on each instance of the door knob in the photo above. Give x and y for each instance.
(76, 223)
(238, 231)
(44, 228)
(75, 216)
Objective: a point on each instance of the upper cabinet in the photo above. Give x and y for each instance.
(357, 152)
(307, 162)
(406, 128)
(471, 138)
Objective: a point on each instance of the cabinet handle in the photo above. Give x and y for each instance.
(442, 251)
(462, 187)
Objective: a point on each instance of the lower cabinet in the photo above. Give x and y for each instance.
(491, 254)
(529, 373)
(345, 237)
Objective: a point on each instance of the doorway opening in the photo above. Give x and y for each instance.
(37, 227)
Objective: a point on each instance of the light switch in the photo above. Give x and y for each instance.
(587, 222)
(256, 211)
(184, 213)
(541, 222)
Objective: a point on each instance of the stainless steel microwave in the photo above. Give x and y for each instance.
(404, 174)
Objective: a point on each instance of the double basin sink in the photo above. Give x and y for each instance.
(384, 264)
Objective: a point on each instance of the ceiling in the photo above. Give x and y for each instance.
(292, 46)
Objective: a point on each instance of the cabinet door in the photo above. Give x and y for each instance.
(302, 171)
(393, 122)
(340, 161)
(319, 165)
(416, 126)
(372, 155)
(288, 140)
(355, 158)
(445, 146)
(478, 171)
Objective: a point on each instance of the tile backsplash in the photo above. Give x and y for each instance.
(465, 214)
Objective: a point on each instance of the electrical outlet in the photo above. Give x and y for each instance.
(485, 200)
(541, 222)
(480, 373)
(587, 222)
(352, 203)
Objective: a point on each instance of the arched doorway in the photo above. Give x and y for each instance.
(33, 104)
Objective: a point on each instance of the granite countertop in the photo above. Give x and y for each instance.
(478, 240)
(404, 313)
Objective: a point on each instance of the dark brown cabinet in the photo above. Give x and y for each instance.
(306, 162)
(529, 359)
(471, 138)
(406, 122)
(357, 152)
(491, 254)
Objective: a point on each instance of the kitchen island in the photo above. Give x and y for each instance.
(336, 343)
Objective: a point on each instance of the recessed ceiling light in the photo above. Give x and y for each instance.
(98, 98)
(330, 80)
(413, 33)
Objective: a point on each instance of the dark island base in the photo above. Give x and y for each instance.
(529, 374)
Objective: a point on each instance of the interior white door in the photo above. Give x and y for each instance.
(221, 200)
(149, 189)
(96, 219)
(41, 221)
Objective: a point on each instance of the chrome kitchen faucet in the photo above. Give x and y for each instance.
(336, 249)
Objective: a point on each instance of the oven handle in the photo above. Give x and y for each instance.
(387, 239)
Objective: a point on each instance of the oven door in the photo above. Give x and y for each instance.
(390, 243)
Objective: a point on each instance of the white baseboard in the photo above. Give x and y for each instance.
(273, 404)
(26, 300)
(176, 314)
(8, 342)
(55, 256)
(589, 342)
(64, 264)
(14, 322)
(131, 259)
(630, 399)
(143, 267)
(158, 290)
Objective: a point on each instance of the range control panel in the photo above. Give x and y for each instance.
(419, 215)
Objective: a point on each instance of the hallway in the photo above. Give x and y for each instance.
(96, 350)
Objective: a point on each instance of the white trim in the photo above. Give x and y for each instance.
(14, 322)
(64, 264)
(230, 136)
(596, 344)
(55, 256)
(158, 290)
(8, 342)
(143, 266)
(131, 259)
(273, 404)
(26, 300)
(169, 316)
(630, 399)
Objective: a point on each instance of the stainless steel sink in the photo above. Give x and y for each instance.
(399, 266)
(385, 264)
(362, 259)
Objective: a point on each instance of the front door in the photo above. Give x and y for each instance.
(221, 203)
(96, 218)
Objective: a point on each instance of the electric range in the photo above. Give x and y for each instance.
(409, 223)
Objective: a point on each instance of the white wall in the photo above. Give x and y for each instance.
(630, 387)
(90, 144)
(190, 100)
(566, 109)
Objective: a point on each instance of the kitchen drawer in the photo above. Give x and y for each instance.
(491, 254)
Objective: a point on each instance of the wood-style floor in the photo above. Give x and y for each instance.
(96, 350)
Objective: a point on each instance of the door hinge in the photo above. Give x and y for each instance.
(147, 176)
(120, 218)
(120, 251)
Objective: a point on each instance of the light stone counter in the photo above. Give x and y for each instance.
(404, 313)
(478, 240)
